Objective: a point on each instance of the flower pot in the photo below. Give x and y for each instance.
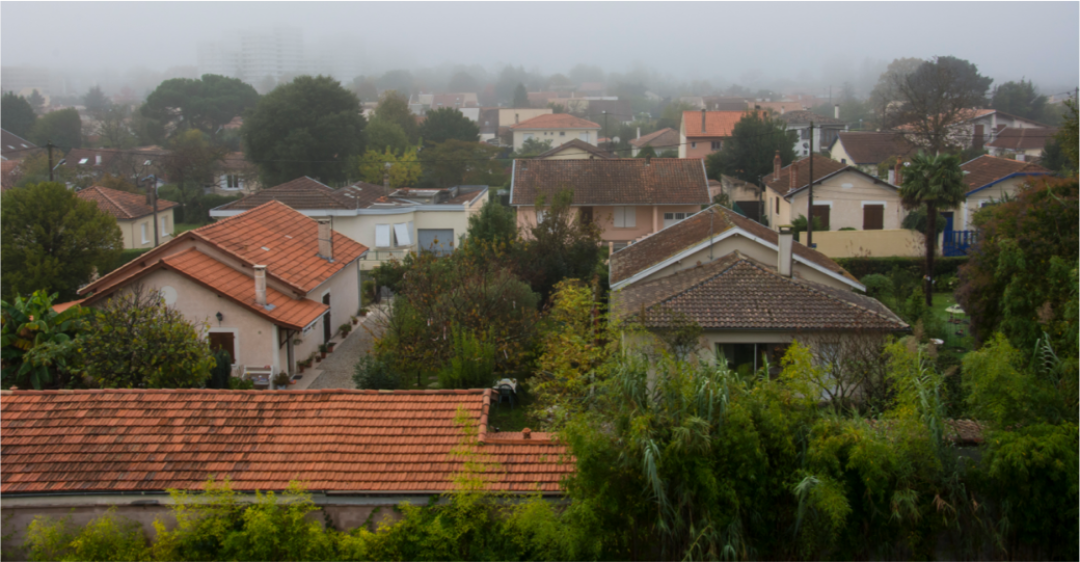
(322, 355)
(355, 321)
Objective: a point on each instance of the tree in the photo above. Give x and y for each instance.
(365, 89)
(749, 153)
(448, 123)
(671, 116)
(936, 182)
(136, 341)
(96, 102)
(16, 114)
(37, 344)
(494, 223)
(886, 93)
(1069, 135)
(646, 152)
(394, 108)
(462, 82)
(1020, 99)
(559, 246)
(383, 134)
(191, 164)
(53, 241)
(521, 97)
(532, 147)
(36, 101)
(398, 80)
(935, 98)
(457, 162)
(113, 128)
(308, 127)
(205, 104)
(62, 127)
(404, 170)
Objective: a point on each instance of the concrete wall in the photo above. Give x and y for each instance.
(870, 243)
(647, 220)
(558, 137)
(131, 230)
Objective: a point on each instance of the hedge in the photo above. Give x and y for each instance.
(861, 267)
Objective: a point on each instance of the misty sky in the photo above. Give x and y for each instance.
(715, 41)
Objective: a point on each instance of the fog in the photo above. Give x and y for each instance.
(687, 46)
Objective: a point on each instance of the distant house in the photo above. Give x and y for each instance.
(1026, 143)
(14, 148)
(826, 130)
(261, 281)
(93, 163)
(236, 176)
(559, 128)
(977, 127)
(629, 198)
(576, 149)
(866, 150)
(745, 197)
(494, 121)
(989, 179)
(844, 196)
(356, 450)
(664, 139)
(135, 215)
(752, 290)
(392, 222)
(704, 132)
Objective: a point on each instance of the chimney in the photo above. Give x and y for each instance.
(898, 172)
(648, 159)
(793, 172)
(97, 159)
(326, 241)
(526, 433)
(639, 132)
(781, 110)
(783, 252)
(776, 166)
(703, 121)
(836, 110)
(260, 284)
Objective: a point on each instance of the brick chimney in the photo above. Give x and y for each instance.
(898, 173)
(703, 121)
(783, 251)
(793, 173)
(526, 433)
(260, 284)
(776, 165)
(326, 240)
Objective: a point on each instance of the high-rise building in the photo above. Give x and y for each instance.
(255, 55)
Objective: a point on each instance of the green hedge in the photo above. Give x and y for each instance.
(861, 267)
(125, 256)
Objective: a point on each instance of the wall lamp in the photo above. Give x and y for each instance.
(220, 317)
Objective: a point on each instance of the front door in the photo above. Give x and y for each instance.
(327, 331)
(948, 220)
(226, 341)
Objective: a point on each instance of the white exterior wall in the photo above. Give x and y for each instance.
(558, 137)
(963, 217)
(132, 230)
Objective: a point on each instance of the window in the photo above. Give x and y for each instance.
(693, 145)
(717, 145)
(165, 225)
(778, 205)
(84, 160)
(382, 236)
(232, 181)
(843, 160)
(402, 235)
(562, 133)
(526, 136)
(540, 215)
(873, 217)
(625, 217)
(145, 240)
(584, 136)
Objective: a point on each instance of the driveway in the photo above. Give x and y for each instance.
(337, 368)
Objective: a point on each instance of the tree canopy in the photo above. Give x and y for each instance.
(206, 103)
(382, 134)
(63, 127)
(462, 82)
(52, 241)
(448, 123)
(397, 80)
(309, 127)
(749, 153)
(934, 98)
(521, 97)
(16, 114)
(936, 183)
(394, 108)
(96, 101)
(457, 162)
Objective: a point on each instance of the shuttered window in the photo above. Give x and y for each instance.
(401, 232)
(625, 217)
(821, 213)
(382, 236)
(873, 217)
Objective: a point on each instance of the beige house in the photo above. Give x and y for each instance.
(574, 150)
(629, 198)
(844, 196)
(559, 128)
(495, 121)
(865, 150)
(660, 141)
(236, 176)
(134, 216)
(391, 222)
(269, 285)
(989, 179)
(751, 289)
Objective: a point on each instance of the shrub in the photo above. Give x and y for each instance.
(374, 373)
(861, 267)
(877, 285)
(222, 370)
(473, 363)
(109, 537)
(126, 256)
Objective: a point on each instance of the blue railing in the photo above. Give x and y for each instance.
(957, 242)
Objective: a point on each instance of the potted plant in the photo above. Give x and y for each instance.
(362, 312)
(345, 329)
(323, 348)
(354, 320)
(297, 341)
(300, 365)
(282, 380)
(330, 346)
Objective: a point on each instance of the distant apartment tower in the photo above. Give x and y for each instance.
(255, 54)
(219, 57)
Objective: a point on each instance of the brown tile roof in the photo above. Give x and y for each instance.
(14, 147)
(1011, 138)
(575, 143)
(9, 174)
(75, 156)
(684, 235)
(619, 181)
(360, 441)
(822, 167)
(717, 123)
(984, 170)
(866, 148)
(664, 138)
(555, 121)
(806, 116)
(778, 106)
(738, 293)
(122, 204)
(307, 194)
(283, 310)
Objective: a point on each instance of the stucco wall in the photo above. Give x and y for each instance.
(871, 243)
(647, 219)
(698, 147)
(846, 194)
(558, 137)
(976, 200)
(132, 230)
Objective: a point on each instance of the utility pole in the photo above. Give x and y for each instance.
(810, 199)
(49, 145)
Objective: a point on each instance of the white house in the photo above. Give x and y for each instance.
(559, 128)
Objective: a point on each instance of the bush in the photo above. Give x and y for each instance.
(109, 537)
(877, 285)
(861, 267)
(374, 373)
(222, 370)
(473, 363)
(367, 289)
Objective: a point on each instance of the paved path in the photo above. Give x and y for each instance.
(336, 371)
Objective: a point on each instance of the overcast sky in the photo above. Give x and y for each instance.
(1007, 40)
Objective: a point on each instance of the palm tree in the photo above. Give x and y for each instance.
(937, 182)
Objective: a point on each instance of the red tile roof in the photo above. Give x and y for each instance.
(664, 138)
(1034, 138)
(985, 170)
(332, 440)
(717, 123)
(305, 194)
(122, 204)
(618, 181)
(555, 121)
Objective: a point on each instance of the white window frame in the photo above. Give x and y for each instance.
(145, 240)
(402, 236)
(693, 144)
(540, 215)
(884, 205)
(526, 136)
(382, 236)
(625, 217)
(165, 225)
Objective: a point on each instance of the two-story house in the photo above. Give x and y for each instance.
(866, 150)
(134, 215)
(703, 132)
(629, 198)
(559, 128)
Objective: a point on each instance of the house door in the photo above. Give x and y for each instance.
(948, 215)
(327, 331)
(873, 217)
(821, 212)
(226, 341)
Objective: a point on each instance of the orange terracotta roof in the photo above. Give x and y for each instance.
(58, 308)
(360, 441)
(285, 240)
(122, 204)
(284, 310)
(717, 123)
(555, 121)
